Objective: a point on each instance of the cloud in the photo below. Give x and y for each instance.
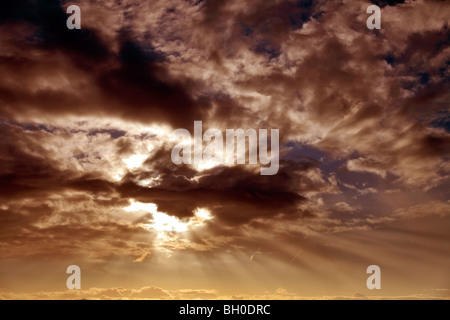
(86, 116)
(438, 208)
(361, 165)
(156, 293)
(130, 83)
(223, 191)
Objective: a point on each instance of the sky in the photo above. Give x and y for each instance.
(86, 133)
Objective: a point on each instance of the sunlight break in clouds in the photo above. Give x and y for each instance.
(165, 224)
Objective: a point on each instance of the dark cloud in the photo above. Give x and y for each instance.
(27, 171)
(383, 3)
(136, 91)
(24, 174)
(49, 18)
(133, 83)
(234, 195)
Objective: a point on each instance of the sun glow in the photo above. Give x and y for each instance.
(206, 164)
(165, 224)
(139, 206)
(203, 214)
(135, 161)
